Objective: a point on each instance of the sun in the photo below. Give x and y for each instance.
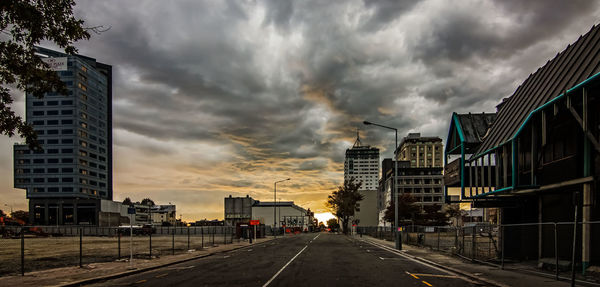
(324, 216)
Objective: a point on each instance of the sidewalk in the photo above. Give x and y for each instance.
(494, 275)
(72, 276)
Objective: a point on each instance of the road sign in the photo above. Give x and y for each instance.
(131, 210)
(254, 222)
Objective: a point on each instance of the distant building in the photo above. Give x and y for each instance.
(163, 214)
(66, 181)
(287, 214)
(421, 151)
(238, 210)
(362, 163)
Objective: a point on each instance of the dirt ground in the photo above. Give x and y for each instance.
(51, 252)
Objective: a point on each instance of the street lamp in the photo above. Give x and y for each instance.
(395, 192)
(11, 210)
(275, 205)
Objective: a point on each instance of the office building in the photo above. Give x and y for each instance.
(421, 151)
(66, 180)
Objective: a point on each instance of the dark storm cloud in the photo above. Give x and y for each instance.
(203, 71)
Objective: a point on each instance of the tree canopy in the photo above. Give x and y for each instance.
(332, 223)
(147, 201)
(344, 202)
(407, 210)
(127, 201)
(24, 24)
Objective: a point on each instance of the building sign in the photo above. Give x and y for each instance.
(56, 64)
(254, 222)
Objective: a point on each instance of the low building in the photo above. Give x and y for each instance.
(238, 210)
(286, 212)
(163, 215)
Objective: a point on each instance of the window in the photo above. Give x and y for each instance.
(67, 179)
(67, 150)
(66, 122)
(83, 181)
(66, 112)
(84, 97)
(52, 189)
(38, 189)
(67, 160)
(69, 102)
(38, 179)
(92, 164)
(102, 167)
(93, 155)
(83, 125)
(38, 123)
(67, 132)
(66, 169)
(83, 115)
(38, 160)
(53, 150)
(52, 132)
(93, 173)
(52, 122)
(52, 113)
(82, 86)
(53, 170)
(83, 143)
(40, 132)
(52, 103)
(83, 171)
(84, 69)
(83, 153)
(67, 189)
(38, 113)
(53, 179)
(38, 103)
(67, 141)
(52, 141)
(23, 161)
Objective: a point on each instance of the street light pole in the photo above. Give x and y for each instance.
(275, 223)
(395, 191)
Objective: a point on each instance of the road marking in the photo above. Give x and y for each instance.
(381, 258)
(141, 281)
(435, 275)
(413, 275)
(286, 265)
(425, 282)
(180, 268)
(249, 250)
(226, 256)
(161, 275)
(317, 236)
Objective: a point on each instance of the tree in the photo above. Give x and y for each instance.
(20, 215)
(454, 211)
(321, 225)
(127, 201)
(434, 216)
(344, 202)
(407, 210)
(24, 24)
(333, 223)
(147, 201)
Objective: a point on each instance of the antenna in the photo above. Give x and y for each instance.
(357, 143)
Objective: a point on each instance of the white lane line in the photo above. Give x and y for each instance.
(381, 258)
(286, 265)
(316, 236)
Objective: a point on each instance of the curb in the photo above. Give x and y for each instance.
(150, 268)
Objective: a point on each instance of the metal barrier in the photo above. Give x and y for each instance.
(30, 248)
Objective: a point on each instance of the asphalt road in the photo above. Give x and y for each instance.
(314, 259)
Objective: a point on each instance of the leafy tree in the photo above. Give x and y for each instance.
(434, 216)
(454, 211)
(332, 223)
(127, 201)
(20, 215)
(2, 214)
(147, 201)
(344, 202)
(321, 225)
(407, 210)
(24, 24)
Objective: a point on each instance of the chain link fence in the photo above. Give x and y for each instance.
(31, 248)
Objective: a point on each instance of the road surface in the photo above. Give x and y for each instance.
(312, 259)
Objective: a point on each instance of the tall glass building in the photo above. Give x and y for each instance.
(66, 180)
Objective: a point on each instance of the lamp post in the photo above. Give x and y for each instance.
(394, 185)
(11, 210)
(275, 205)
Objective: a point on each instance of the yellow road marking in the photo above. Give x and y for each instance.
(141, 281)
(434, 275)
(161, 275)
(425, 282)
(413, 275)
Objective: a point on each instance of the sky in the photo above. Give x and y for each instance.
(219, 98)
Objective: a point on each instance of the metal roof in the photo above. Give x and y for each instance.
(575, 64)
(476, 126)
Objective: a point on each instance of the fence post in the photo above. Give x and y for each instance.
(213, 237)
(473, 243)
(80, 247)
(438, 243)
(150, 247)
(456, 239)
(202, 233)
(173, 242)
(462, 229)
(556, 249)
(502, 235)
(118, 245)
(22, 252)
(224, 236)
(188, 231)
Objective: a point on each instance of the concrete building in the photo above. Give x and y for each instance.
(238, 210)
(165, 214)
(362, 163)
(287, 214)
(421, 151)
(66, 180)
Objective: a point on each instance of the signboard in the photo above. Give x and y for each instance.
(56, 64)
(130, 210)
(400, 228)
(254, 222)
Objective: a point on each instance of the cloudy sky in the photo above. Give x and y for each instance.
(213, 98)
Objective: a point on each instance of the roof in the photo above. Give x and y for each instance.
(575, 64)
(475, 126)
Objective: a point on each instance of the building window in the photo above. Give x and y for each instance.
(53, 179)
(67, 160)
(53, 170)
(82, 86)
(67, 141)
(66, 112)
(52, 122)
(67, 170)
(67, 189)
(52, 103)
(38, 189)
(50, 151)
(38, 123)
(65, 103)
(67, 179)
(67, 150)
(38, 180)
(52, 132)
(38, 113)
(66, 122)
(52, 189)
